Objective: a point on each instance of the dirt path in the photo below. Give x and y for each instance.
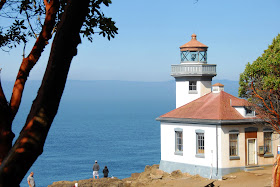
(153, 177)
(258, 178)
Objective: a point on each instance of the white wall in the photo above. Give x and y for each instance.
(182, 93)
(241, 110)
(189, 144)
(182, 90)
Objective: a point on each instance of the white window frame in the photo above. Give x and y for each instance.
(178, 147)
(192, 87)
(200, 143)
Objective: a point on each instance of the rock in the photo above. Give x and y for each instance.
(155, 177)
(147, 168)
(135, 175)
(258, 174)
(158, 172)
(232, 177)
(155, 166)
(224, 178)
(176, 173)
(228, 177)
(128, 183)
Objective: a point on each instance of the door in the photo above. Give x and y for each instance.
(251, 151)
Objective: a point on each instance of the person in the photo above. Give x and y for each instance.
(30, 180)
(95, 170)
(105, 172)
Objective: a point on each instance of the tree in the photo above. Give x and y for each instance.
(68, 19)
(260, 84)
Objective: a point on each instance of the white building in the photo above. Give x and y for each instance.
(210, 133)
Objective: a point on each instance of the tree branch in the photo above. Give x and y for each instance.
(29, 62)
(3, 100)
(261, 98)
(27, 16)
(6, 135)
(2, 2)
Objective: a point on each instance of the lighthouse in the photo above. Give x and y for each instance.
(193, 75)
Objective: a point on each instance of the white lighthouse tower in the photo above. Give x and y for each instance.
(193, 75)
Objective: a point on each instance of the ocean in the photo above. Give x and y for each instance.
(109, 121)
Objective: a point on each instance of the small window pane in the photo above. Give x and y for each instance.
(267, 142)
(233, 149)
(194, 56)
(200, 143)
(179, 141)
(192, 85)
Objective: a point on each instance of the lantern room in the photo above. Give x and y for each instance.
(193, 51)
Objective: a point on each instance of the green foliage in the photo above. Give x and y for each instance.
(14, 35)
(27, 17)
(96, 19)
(263, 74)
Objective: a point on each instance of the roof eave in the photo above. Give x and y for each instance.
(210, 121)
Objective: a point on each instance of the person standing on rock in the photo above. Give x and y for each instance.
(105, 172)
(30, 180)
(95, 170)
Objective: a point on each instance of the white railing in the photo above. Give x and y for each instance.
(190, 69)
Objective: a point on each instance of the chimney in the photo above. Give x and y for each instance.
(217, 88)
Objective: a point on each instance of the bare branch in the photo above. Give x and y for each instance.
(27, 16)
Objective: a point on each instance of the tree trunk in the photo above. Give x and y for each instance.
(276, 172)
(8, 111)
(6, 134)
(30, 143)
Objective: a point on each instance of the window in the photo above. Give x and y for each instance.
(249, 111)
(233, 145)
(192, 86)
(203, 56)
(267, 143)
(178, 141)
(200, 143)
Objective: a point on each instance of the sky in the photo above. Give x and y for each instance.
(151, 32)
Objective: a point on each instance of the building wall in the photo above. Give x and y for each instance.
(182, 92)
(189, 162)
(207, 166)
(261, 159)
(183, 96)
(241, 110)
(205, 87)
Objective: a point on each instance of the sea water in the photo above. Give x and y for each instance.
(112, 123)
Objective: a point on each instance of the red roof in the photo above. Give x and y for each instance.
(194, 45)
(218, 84)
(215, 106)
